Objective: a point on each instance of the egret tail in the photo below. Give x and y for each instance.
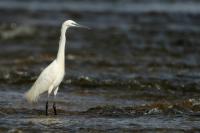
(36, 90)
(31, 95)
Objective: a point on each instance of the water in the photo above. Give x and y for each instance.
(136, 70)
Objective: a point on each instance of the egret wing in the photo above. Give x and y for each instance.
(43, 83)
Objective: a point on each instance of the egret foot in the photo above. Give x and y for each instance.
(54, 108)
(47, 108)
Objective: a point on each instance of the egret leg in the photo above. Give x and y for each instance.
(54, 108)
(54, 103)
(47, 108)
(47, 102)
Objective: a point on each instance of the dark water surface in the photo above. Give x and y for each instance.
(136, 70)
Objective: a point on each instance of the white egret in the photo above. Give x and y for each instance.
(51, 77)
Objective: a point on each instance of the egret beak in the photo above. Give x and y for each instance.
(81, 26)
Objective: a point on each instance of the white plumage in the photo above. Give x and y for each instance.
(51, 77)
(49, 80)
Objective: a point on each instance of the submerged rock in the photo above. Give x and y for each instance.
(165, 108)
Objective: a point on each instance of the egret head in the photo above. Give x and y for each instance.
(71, 23)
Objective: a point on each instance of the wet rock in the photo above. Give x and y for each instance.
(15, 131)
(164, 108)
(16, 32)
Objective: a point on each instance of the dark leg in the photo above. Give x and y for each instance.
(54, 103)
(47, 108)
(54, 108)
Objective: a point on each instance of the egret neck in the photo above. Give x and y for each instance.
(61, 50)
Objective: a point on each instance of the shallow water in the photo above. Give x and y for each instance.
(136, 70)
